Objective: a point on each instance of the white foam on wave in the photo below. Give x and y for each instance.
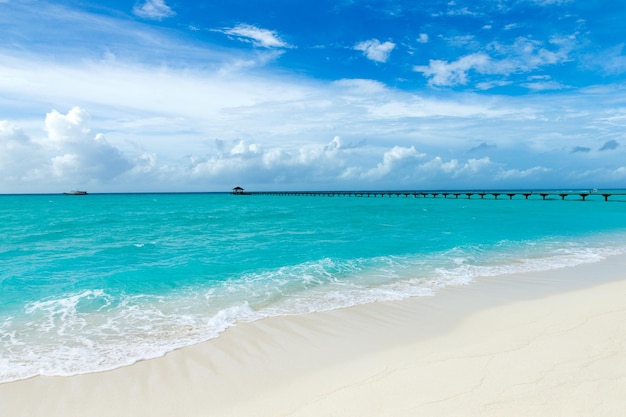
(395, 278)
(94, 330)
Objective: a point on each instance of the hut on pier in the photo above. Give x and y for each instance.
(238, 191)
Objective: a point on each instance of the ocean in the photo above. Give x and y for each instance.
(96, 282)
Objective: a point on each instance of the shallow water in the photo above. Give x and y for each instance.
(95, 282)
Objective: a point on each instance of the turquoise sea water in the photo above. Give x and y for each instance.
(89, 283)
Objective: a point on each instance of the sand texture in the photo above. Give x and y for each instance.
(537, 344)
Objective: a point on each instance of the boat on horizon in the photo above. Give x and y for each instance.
(75, 192)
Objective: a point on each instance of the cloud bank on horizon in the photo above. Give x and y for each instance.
(157, 95)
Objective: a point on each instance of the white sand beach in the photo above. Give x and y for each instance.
(536, 344)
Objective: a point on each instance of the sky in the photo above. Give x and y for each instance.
(206, 95)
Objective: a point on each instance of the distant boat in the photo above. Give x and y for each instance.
(75, 192)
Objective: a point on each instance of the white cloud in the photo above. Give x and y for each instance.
(360, 86)
(71, 154)
(476, 165)
(20, 158)
(437, 166)
(257, 36)
(527, 54)
(170, 114)
(153, 10)
(66, 129)
(523, 174)
(472, 168)
(244, 150)
(443, 73)
(523, 55)
(463, 11)
(550, 2)
(253, 164)
(487, 85)
(79, 152)
(610, 61)
(68, 154)
(475, 171)
(10, 134)
(396, 158)
(544, 85)
(270, 129)
(465, 41)
(374, 50)
(198, 128)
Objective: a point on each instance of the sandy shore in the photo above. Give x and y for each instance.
(541, 344)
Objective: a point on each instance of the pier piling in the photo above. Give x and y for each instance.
(584, 195)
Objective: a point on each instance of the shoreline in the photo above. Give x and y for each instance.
(541, 343)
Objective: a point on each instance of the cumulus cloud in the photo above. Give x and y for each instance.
(20, 158)
(67, 128)
(436, 166)
(257, 36)
(397, 157)
(79, 152)
(153, 10)
(159, 125)
(341, 165)
(523, 173)
(253, 164)
(68, 154)
(10, 135)
(374, 50)
(245, 150)
(423, 38)
(473, 166)
(474, 171)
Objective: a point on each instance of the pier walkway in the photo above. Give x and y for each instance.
(582, 195)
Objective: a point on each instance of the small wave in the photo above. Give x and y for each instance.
(96, 330)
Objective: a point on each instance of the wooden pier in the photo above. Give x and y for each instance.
(581, 195)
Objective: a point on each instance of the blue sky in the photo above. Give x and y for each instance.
(165, 95)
